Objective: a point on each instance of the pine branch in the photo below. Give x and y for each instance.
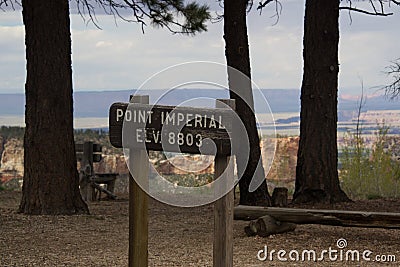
(9, 4)
(393, 89)
(278, 8)
(173, 15)
(375, 13)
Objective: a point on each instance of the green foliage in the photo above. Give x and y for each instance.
(97, 136)
(281, 135)
(177, 16)
(93, 135)
(12, 132)
(162, 14)
(190, 179)
(369, 173)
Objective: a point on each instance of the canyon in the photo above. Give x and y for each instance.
(281, 169)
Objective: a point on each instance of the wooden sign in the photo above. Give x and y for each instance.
(169, 128)
(176, 129)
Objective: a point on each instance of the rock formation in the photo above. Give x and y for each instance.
(283, 167)
(11, 160)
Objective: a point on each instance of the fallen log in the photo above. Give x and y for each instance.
(267, 225)
(326, 217)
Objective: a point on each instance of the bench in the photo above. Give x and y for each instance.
(90, 183)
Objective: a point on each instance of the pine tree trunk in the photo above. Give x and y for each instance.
(50, 178)
(237, 56)
(316, 173)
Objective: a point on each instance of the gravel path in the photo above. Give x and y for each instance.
(178, 237)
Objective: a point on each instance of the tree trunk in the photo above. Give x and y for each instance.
(280, 197)
(50, 178)
(237, 57)
(316, 173)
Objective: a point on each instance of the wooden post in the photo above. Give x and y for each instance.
(138, 202)
(223, 208)
(87, 191)
(111, 185)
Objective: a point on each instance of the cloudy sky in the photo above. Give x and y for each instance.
(121, 57)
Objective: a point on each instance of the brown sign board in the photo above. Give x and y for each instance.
(170, 128)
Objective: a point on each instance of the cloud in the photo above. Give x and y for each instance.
(101, 44)
(124, 57)
(276, 55)
(365, 51)
(12, 57)
(120, 57)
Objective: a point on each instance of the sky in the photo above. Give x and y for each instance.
(119, 56)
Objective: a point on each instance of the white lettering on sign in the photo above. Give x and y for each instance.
(185, 139)
(212, 122)
(120, 114)
(151, 135)
(197, 120)
(191, 120)
(171, 118)
(137, 116)
(168, 118)
(139, 136)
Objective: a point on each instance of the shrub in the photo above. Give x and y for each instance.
(12, 132)
(369, 172)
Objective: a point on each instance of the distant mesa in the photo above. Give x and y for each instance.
(295, 119)
(97, 103)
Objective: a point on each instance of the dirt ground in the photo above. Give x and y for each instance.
(178, 237)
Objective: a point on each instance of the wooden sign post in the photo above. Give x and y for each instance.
(223, 207)
(140, 127)
(138, 202)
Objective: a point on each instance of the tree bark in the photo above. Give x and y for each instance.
(237, 57)
(280, 197)
(51, 183)
(316, 173)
